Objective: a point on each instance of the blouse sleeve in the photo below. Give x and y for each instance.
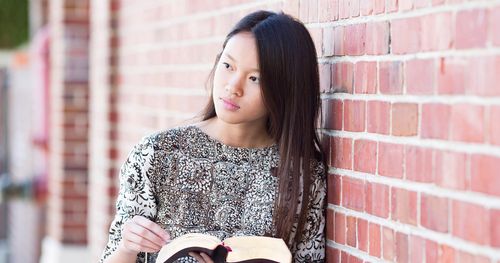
(311, 247)
(136, 196)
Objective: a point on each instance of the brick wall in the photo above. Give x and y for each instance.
(67, 212)
(409, 107)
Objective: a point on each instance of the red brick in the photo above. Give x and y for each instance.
(325, 77)
(447, 254)
(378, 117)
(467, 123)
(362, 231)
(402, 251)
(404, 119)
(405, 5)
(317, 37)
(437, 32)
(354, 38)
(434, 213)
(330, 224)
(404, 206)
(391, 6)
(416, 249)
(353, 193)
(366, 8)
(303, 11)
(378, 7)
(341, 155)
(334, 189)
(471, 28)
(388, 244)
(390, 77)
(494, 20)
(338, 40)
(482, 76)
(340, 228)
(419, 76)
(334, 114)
(405, 35)
(351, 231)
(431, 251)
(354, 259)
(484, 174)
(342, 74)
(375, 242)
(419, 164)
(390, 160)
(332, 255)
(451, 170)
(493, 123)
(365, 77)
(344, 11)
(328, 41)
(474, 228)
(354, 115)
(343, 255)
(377, 200)
(464, 257)
(365, 156)
(313, 11)
(435, 121)
(377, 38)
(451, 76)
(422, 3)
(355, 5)
(495, 228)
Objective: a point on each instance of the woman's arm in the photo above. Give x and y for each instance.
(131, 231)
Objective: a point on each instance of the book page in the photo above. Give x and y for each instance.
(253, 247)
(187, 241)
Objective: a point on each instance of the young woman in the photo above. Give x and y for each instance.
(252, 166)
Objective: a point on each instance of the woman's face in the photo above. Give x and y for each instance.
(237, 92)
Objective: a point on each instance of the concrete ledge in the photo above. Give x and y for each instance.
(55, 252)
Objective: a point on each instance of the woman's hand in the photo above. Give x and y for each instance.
(201, 257)
(142, 235)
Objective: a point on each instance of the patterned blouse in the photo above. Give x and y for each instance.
(188, 182)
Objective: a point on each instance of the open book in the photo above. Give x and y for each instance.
(234, 249)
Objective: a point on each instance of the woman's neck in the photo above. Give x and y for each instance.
(252, 135)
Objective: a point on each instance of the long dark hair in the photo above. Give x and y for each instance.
(289, 82)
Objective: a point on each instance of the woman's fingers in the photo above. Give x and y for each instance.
(201, 257)
(197, 257)
(156, 229)
(143, 244)
(206, 258)
(143, 235)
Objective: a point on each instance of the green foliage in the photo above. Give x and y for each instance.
(14, 26)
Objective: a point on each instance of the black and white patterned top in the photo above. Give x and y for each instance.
(188, 182)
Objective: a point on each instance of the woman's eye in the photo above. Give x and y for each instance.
(254, 79)
(226, 65)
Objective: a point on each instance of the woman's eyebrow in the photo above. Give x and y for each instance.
(230, 57)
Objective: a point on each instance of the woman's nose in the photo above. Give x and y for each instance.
(235, 86)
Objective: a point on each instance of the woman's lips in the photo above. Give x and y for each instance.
(229, 105)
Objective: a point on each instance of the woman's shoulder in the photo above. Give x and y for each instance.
(171, 138)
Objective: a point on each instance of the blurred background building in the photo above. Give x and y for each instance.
(411, 117)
